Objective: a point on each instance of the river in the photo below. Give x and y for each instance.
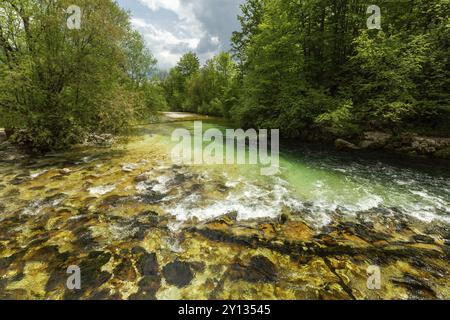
(141, 227)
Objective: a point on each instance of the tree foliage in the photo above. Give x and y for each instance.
(57, 84)
(210, 89)
(314, 65)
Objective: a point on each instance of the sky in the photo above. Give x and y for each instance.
(173, 27)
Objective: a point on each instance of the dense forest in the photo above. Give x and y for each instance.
(314, 66)
(306, 66)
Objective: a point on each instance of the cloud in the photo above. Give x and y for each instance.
(173, 27)
(166, 4)
(165, 45)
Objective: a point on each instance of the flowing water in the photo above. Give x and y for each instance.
(142, 227)
(319, 180)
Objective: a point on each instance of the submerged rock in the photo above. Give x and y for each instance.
(101, 190)
(260, 269)
(55, 200)
(421, 238)
(124, 271)
(178, 179)
(93, 277)
(227, 219)
(141, 178)
(151, 197)
(150, 283)
(115, 200)
(416, 286)
(12, 193)
(19, 179)
(178, 273)
(147, 264)
(148, 286)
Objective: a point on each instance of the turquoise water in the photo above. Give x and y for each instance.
(317, 182)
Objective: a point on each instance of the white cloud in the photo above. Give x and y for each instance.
(163, 42)
(172, 27)
(166, 4)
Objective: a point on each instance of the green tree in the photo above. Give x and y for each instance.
(213, 90)
(312, 66)
(141, 63)
(58, 84)
(177, 81)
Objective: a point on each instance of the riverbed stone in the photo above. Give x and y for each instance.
(123, 240)
(147, 263)
(150, 197)
(141, 178)
(148, 286)
(125, 271)
(421, 238)
(178, 273)
(259, 269)
(93, 276)
(178, 179)
(417, 287)
(19, 179)
(115, 200)
(130, 167)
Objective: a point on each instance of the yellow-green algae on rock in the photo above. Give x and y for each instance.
(109, 211)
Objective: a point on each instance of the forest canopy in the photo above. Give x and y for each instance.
(314, 66)
(307, 67)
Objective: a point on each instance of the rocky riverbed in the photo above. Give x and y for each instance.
(115, 213)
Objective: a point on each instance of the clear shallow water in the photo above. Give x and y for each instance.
(337, 180)
(316, 182)
(91, 207)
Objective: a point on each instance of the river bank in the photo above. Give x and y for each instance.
(410, 144)
(140, 227)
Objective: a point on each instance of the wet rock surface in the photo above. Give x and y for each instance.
(238, 261)
(128, 243)
(259, 269)
(406, 143)
(178, 273)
